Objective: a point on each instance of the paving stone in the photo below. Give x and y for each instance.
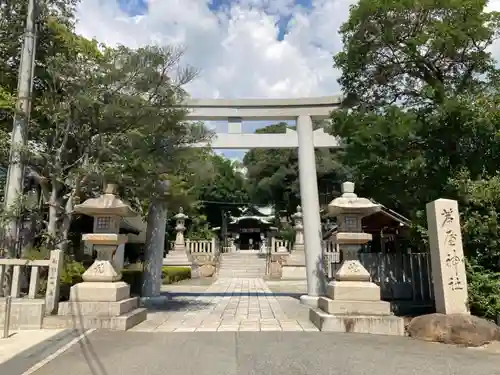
(249, 329)
(228, 329)
(185, 329)
(206, 329)
(292, 329)
(270, 328)
(243, 304)
(165, 329)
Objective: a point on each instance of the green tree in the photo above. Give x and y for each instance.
(424, 122)
(53, 16)
(222, 188)
(414, 51)
(113, 117)
(429, 53)
(273, 175)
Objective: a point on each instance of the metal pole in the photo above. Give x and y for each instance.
(6, 321)
(15, 174)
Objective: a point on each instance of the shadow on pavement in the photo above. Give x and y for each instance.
(180, 304)
(231, 294)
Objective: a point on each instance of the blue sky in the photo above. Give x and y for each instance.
(140, 7)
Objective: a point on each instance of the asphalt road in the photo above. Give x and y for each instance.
(261, 353)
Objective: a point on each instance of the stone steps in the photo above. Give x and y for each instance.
(242, 266)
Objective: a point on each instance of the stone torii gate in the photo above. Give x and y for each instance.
(303, 111)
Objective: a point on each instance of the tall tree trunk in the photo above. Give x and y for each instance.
(153, 252)
(53, 216)
(68, 216)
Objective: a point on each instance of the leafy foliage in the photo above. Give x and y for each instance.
(219, 187)
(424, 121)
(409, 51)
(273, 175)
(100, 115)
(484, 292)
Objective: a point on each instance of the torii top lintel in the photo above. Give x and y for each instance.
(236, 110)
(261, 109)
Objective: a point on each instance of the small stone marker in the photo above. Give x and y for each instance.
(53, 282)
(447, 257)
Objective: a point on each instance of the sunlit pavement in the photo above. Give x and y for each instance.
(229, 305)
(301, 353)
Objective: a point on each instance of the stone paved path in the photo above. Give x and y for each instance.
(229, 305)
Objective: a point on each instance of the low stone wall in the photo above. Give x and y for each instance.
(28, 311)
(25, 313)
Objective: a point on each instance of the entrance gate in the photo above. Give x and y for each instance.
(300, 110)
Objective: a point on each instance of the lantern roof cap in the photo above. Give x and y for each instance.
(298, 214)
(108, 204)
(350, 203)
(181, 214)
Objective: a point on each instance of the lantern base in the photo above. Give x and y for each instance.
(355, 306)
(101, 305)
(177, 258)
(353, 291)
(99, 292)
(380, 325)
(336, 307)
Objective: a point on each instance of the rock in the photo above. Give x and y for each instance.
(206, 270)
(459, 329)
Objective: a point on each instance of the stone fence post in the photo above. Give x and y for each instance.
(53, 282)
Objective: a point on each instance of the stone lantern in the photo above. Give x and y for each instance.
(102, 298)
(178, 256)
(294, 268)
(353, 302)
(180, 220)
(299, 230)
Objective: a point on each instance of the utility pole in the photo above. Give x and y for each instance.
(15, 174)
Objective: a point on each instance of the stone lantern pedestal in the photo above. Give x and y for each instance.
(295, 266)
(178, 255)
(102, 300)
(353, 302)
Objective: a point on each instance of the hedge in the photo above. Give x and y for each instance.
(133, 276)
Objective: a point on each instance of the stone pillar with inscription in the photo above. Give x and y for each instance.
(353, 301)
(295, 265)
(102, 300)
(53, 282)
(447, 257)
(178, 256)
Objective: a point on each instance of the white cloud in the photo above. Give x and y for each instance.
(235, 49)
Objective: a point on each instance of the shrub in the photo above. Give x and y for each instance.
(71, 274)
(484, 292)
(172, 275)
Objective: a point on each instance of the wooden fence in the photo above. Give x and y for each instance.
(401, 276)
(199, 246)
